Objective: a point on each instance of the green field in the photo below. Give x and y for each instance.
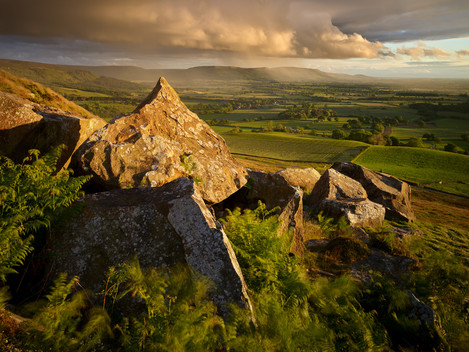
(290, 147)
(439, 170)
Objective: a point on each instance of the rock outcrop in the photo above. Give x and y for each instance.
(160, 141)
(338, 195)
(26, 125)
(161, 226)
(383, 189)
(304, 178)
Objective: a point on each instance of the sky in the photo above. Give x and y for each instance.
(387, 38)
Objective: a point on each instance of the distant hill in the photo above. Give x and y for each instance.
(37, 93)
(58, 76)
(133, 79)
(203, 74)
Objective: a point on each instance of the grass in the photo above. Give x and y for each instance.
(290, 147)
(422, 166)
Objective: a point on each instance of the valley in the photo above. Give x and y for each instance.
(327, 278)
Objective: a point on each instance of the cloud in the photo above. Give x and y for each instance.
(417, 52)
(275, 28)
(462, 53)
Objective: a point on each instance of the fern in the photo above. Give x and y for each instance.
(61, 325)
(32, 194)
(178, 317)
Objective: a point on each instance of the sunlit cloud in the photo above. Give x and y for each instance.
(462, 53)
(422, 50)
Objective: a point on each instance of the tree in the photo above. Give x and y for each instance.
(394, 141)
(339, 134)
(465, 136)
(415, 142)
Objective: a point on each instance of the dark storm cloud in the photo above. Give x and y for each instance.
(311, 29)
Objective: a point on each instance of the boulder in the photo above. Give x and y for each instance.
(393, 267)
(392, 193)
(161, 226)
(160, 141)
(304, 178)
(334, 185)
(358, 213)
(26, 125)
(338, 195)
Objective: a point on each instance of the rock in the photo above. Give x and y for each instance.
(304, 178)
(161, 226)
(335, 186)
(391, 266)
(421, 311)
(358, 213)
(392, 193)
(338, 195)
(317, 244)
(160, 141)
(25, 125)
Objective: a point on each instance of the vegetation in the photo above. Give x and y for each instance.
(293, 311)
(429, 168)
(32, 194)
(37, 93)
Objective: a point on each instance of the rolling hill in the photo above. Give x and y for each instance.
(57, 76)
(37, 93)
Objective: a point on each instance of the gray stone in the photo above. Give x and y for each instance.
(387, 190)
(161, 226)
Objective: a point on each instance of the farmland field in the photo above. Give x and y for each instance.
(289, 147)
(421, 166)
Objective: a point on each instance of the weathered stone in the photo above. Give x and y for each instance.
(161, 226)
(392, 193)
(304, 178)
(336, 186)
(389, 265)
(338, 195)
(358, 213)
(159, 142)
(25, 125)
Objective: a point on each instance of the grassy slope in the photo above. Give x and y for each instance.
(38, 93)
(62, 76)
(291, 147)
(422, 166)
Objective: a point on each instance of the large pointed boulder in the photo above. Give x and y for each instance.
(159, 142)
(160, 226)
(383, 189)
(27, 125)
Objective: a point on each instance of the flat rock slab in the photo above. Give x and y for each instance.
(161, 226)
(160, 141)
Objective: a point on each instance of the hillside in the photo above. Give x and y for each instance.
(37, 93)
(181, 77)
(57, 77)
